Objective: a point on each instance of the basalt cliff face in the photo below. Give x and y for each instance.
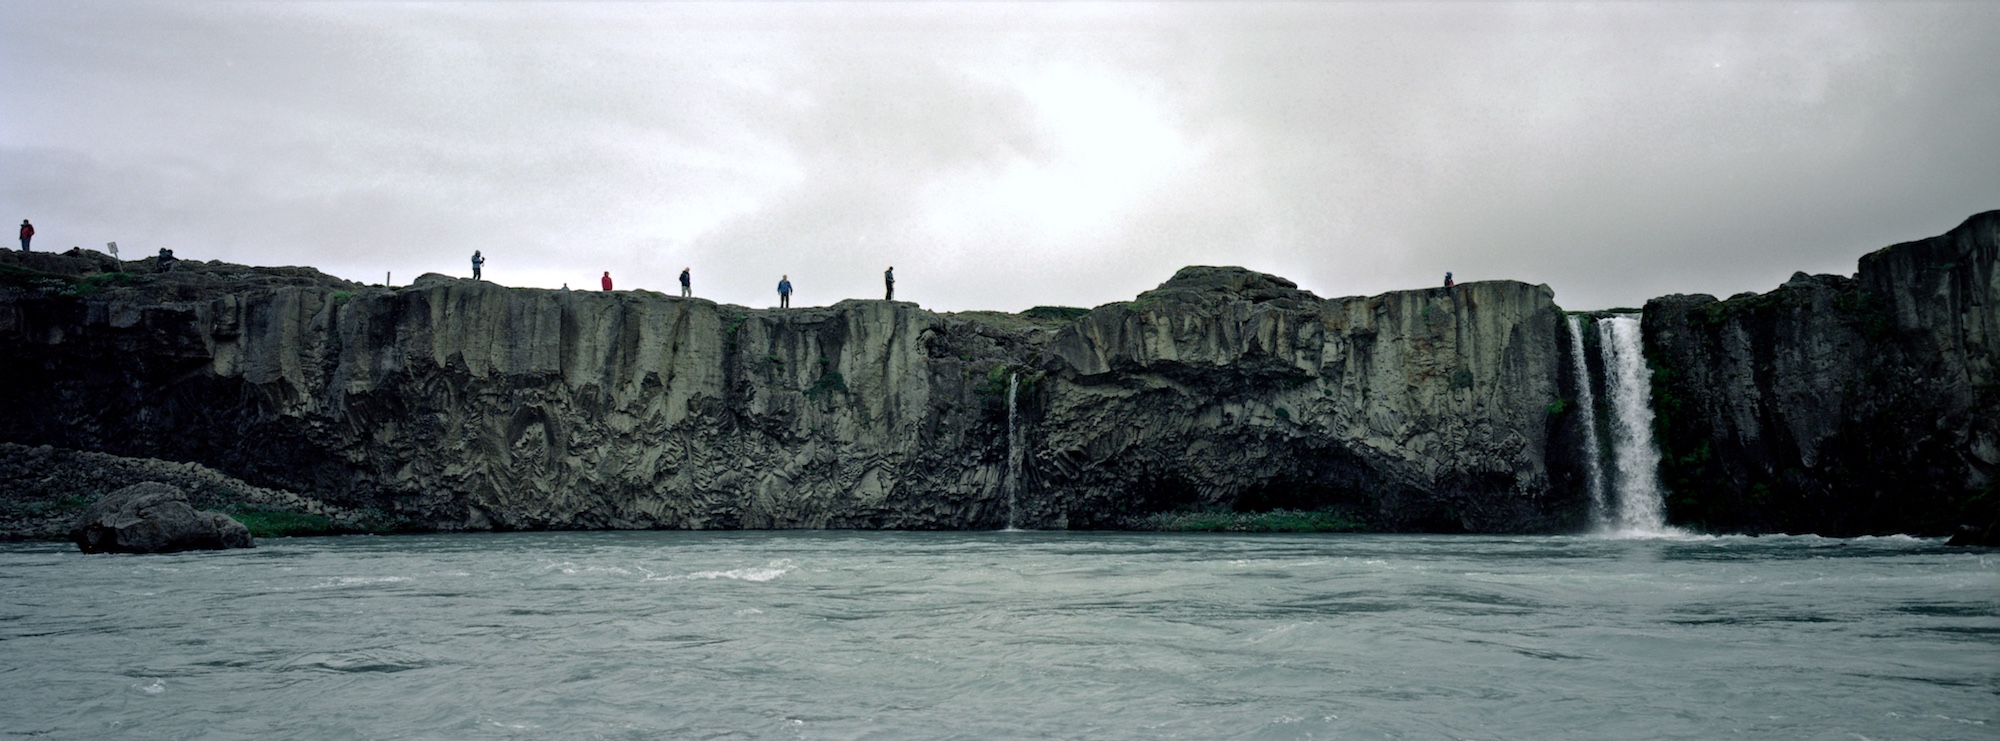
(1831, 405)
(1838, 405)
(467, 405)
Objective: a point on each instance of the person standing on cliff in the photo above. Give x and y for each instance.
(687, 282)
(784, 291)
(27, 233)
(1447, 279)
(889, 282)
(607, 280)
(478, 262)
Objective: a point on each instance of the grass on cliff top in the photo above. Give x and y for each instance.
(1273, 521)
(21, 278)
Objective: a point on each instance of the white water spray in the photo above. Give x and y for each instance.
(1013, 481)
(1635, 456)
(1586, 408)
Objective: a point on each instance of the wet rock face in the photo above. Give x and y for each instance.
(1838, 405)
(154, 518)
(469, 405)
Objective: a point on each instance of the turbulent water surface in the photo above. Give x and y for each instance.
(1004, 635)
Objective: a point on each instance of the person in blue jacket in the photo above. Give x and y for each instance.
(784, 291)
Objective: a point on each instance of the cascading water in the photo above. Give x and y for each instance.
(1013, 481)
(1586, 407)
(1635, 460)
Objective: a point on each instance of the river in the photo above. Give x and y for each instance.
(1011, 635)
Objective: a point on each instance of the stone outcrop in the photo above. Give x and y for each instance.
(42, 490)
(152, 517)
(1421, 410)
(466, 405)
(1838, 405)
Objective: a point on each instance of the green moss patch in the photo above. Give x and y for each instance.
(273, 523)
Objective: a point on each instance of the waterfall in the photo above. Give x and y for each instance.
(1586, 407)
(1013, 481)
(1635, 457)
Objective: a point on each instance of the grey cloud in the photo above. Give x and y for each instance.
(1352, 147)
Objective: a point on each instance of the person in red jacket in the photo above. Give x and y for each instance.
(27, 233)
(607, 280)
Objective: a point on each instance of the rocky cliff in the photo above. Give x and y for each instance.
(467, 405)
(1834, 405)
(1838, 405)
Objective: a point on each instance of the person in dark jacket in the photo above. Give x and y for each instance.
(478, 261)
(889, 282)
(687, 282)
(607, 280)
(1447, 279)
(27, 233)
(784, 291)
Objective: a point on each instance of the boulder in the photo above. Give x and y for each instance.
(152, 517)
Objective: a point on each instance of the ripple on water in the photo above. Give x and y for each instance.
(381, 660)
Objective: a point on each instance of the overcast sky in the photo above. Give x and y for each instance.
(1002, 155)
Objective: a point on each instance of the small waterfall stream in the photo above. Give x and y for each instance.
(1013, 481)
(1635, 456)
(1586, 406)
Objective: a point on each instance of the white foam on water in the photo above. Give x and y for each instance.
(763, 573)
(1664, 533)
(568, 567)
(358, 581)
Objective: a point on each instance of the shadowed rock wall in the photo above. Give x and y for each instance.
(1838, 405)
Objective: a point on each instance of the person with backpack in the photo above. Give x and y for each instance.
(784, 291)
(687, 282)
(27, 233)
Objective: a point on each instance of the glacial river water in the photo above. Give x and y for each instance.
(841, 635)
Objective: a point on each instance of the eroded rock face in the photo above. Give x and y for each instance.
(1838, 405)
(154, 518)
(467, 405)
